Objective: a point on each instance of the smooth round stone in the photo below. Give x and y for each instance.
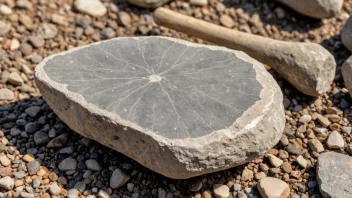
(47, 30)
(15, 132)
(166, 97)
(93, 165)
(80, 186)
(108, 33)
(33, 167)
(312, 184)
(5, 161)
(68, 164)
(33, 111)
(31, 127)
(5, 10)
(6, 94)
(241, 194)
(269, 187)
(59, 141)
(5, 27)
(103, 194)
(92, 7)
(227, 21)
(7, 183)
(73, 193)
(221, 191)
(15, 44)
(67, 150)
(335, 140)
(54, 189)
(15, 79)
(199, 2)
(41, 138)
(316, 145)
(305, 119)
(118, 179)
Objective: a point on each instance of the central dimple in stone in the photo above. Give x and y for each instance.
(154, 78)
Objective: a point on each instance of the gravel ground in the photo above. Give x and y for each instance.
(68, 164)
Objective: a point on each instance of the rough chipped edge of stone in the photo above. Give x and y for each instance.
(243, 124)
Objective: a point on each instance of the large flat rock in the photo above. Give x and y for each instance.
(335, 175)
(178, 108)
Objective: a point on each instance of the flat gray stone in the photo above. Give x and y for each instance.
(118, 179)
(148, 3)
(335, 175)
(346, 34)
(93, 165)
(178, 108)
(33, 167)
(68, 164)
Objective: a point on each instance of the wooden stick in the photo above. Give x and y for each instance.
(307, 66)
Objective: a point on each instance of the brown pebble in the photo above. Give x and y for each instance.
(36, 41)
(335, 127)
(124, 19)
(286, 167)
(259, 175)
(63, 192)
(26, 49)
(206, 194)
(7, 171)
(227, 21)
(45, 195)
(247, 175)
(296, 174)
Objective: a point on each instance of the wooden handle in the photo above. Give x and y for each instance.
(233, 39)
(307, 66)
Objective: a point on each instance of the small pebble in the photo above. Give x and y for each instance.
(275, 161)
(335, 140)
(301, 161)
(93, 165)
(118, 179)
(92, 7)
(7, 183)
(68, 164)
(270, 187)
(198, 2)
(221, 191)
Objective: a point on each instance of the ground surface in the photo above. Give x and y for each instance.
(64, 27)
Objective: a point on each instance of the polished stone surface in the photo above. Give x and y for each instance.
(169, 88)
